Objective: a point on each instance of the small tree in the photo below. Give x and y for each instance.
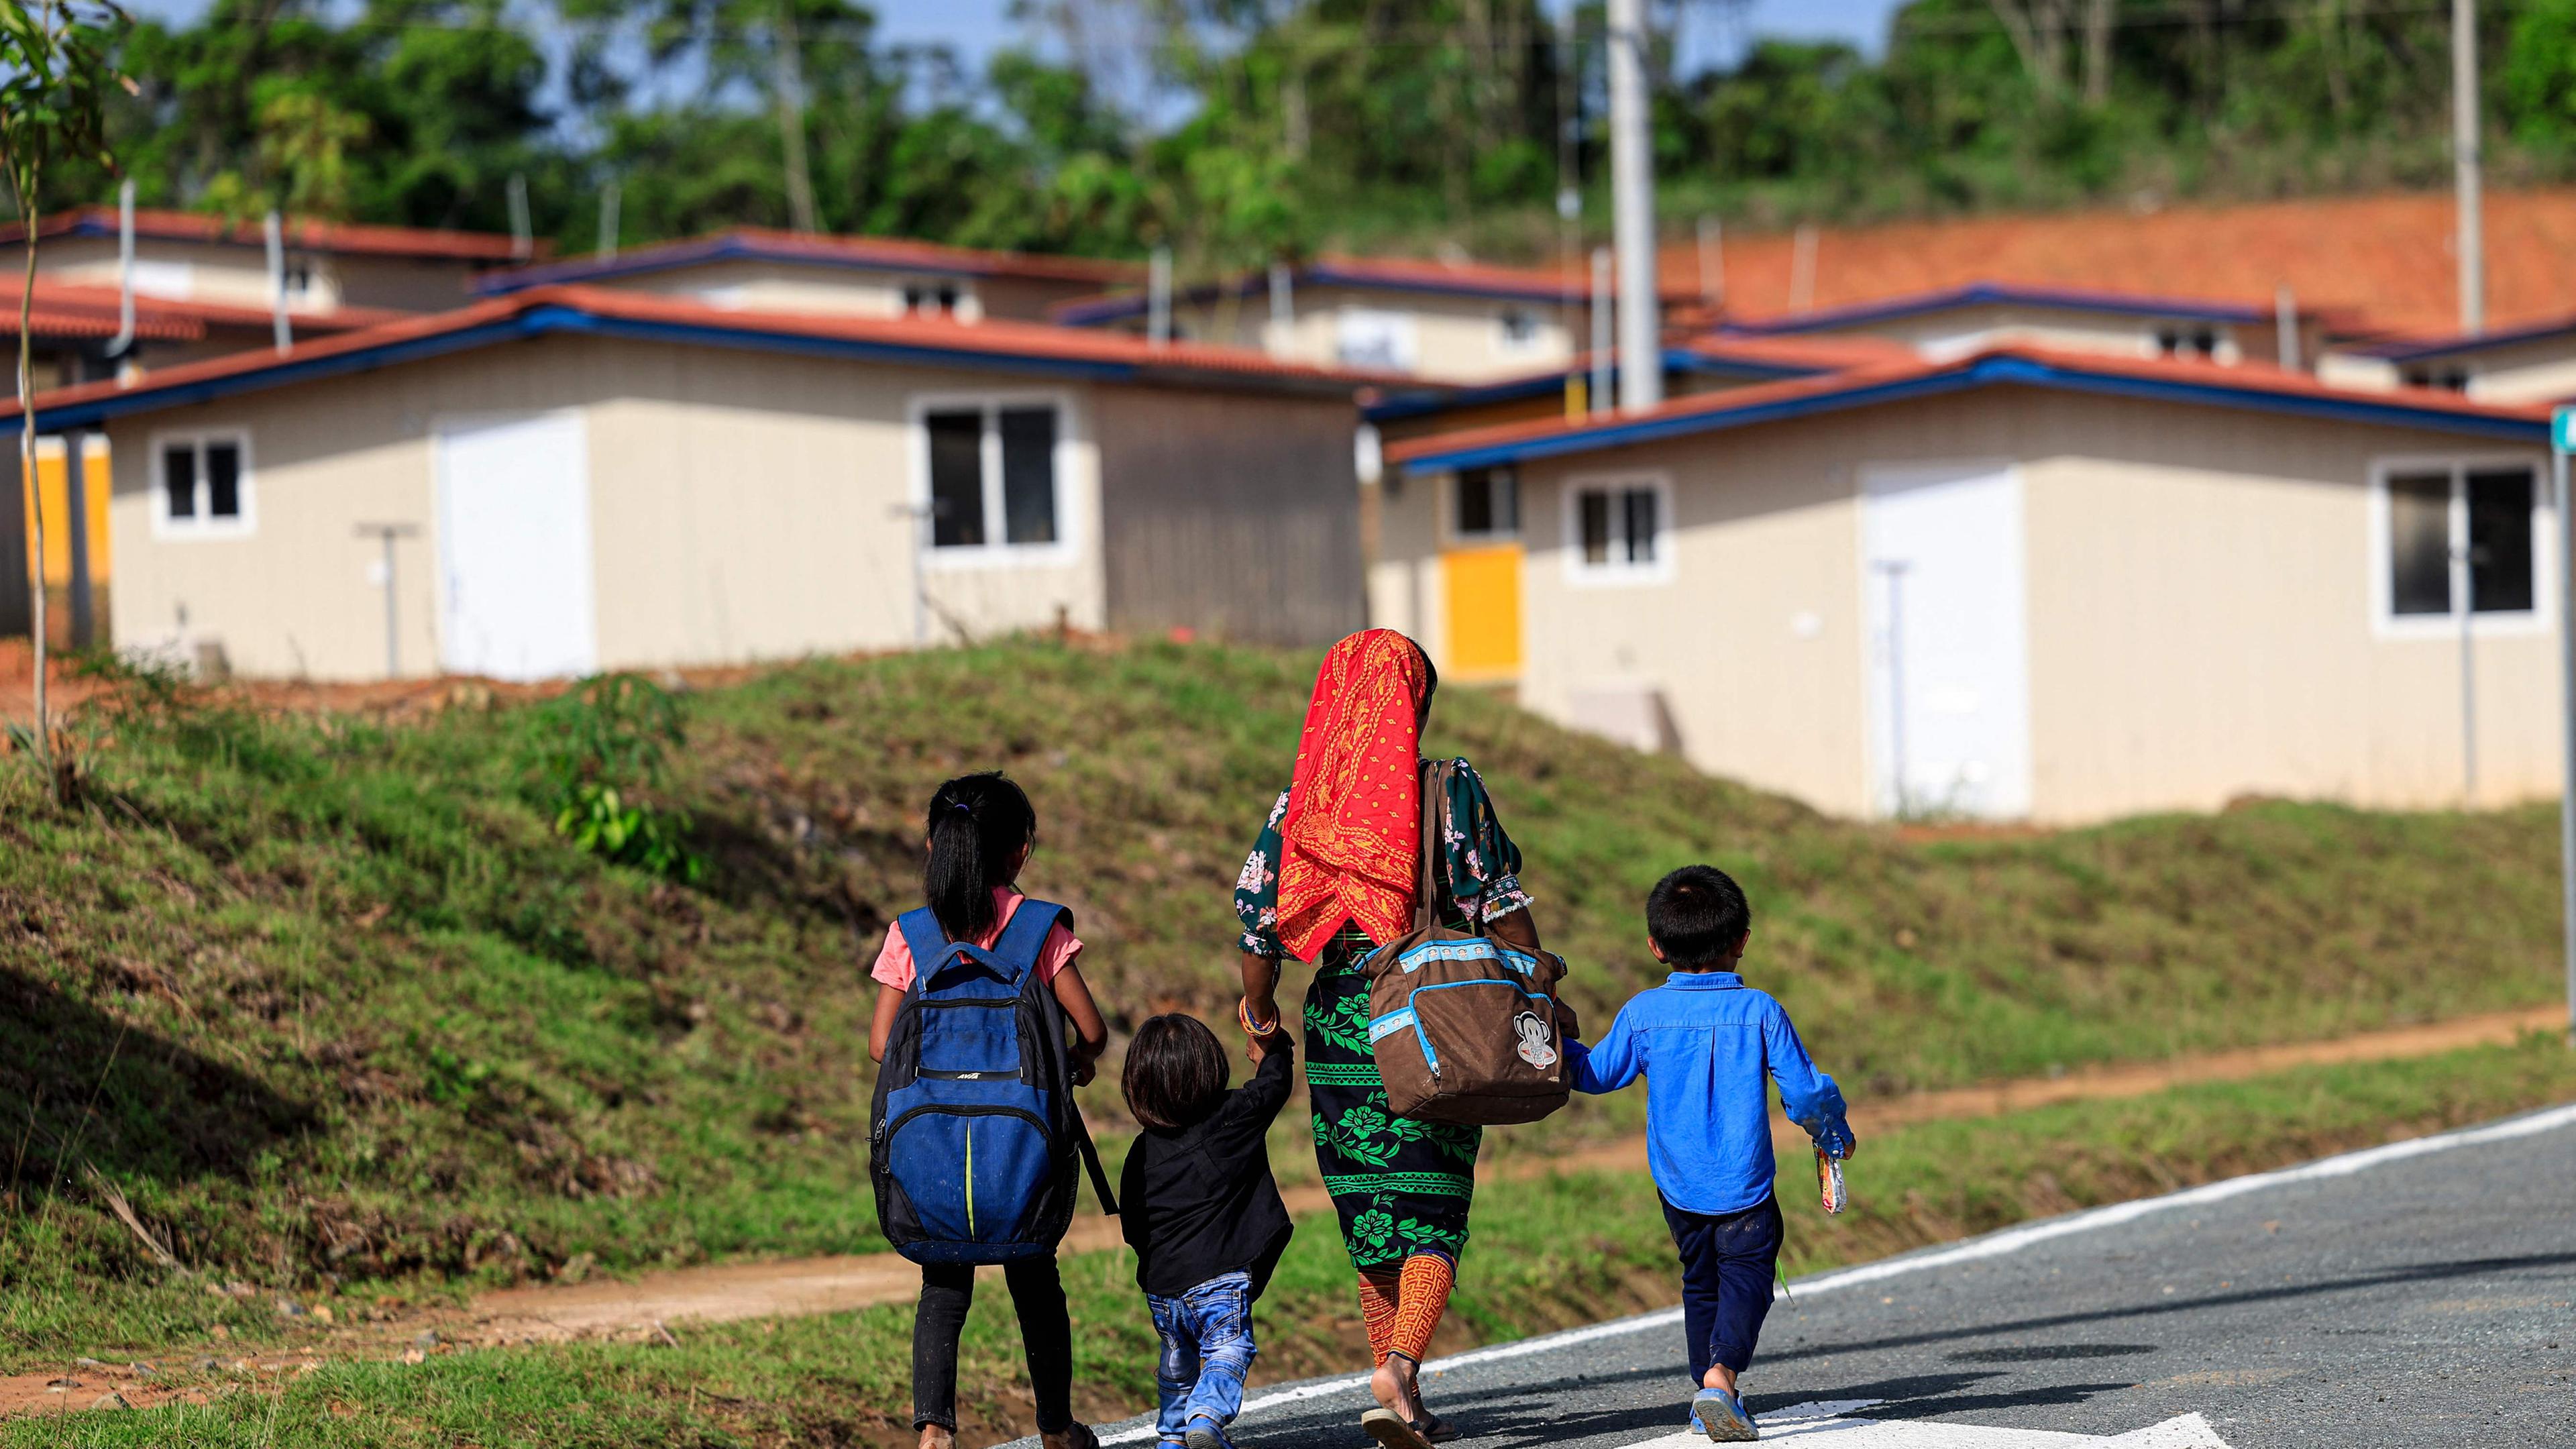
(54, 73)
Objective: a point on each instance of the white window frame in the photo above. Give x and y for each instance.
(992, 553)
(2386, 622)
(1458, 534)
(243, 524)
(1618, 573)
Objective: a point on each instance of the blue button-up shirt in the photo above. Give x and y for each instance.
(1704, 1041)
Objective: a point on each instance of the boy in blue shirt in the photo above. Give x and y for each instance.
(1704, 1041)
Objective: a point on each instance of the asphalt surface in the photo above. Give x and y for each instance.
(2383, 1298)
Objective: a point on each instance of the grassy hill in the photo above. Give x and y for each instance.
(316, 999)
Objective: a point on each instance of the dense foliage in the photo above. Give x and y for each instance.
(1235, 130)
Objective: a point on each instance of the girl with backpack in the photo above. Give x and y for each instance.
(958, 1081)
(1335, 873)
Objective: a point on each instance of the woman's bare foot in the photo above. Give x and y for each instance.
(1396, 1386)
(934, 1437)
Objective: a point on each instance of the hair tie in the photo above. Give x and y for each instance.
(961, 805)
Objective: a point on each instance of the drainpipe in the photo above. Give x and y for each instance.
(283, 331)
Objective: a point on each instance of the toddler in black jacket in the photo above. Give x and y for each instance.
(1203, 1214)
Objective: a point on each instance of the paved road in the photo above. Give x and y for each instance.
(2412, 1295)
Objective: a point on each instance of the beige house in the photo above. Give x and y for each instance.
(185, 256)
(2013, 585)
(2531, 363)
(1445, 321)
(566, 480)
(1956, 321)
(761, 269)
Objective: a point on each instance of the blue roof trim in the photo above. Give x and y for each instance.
(721, 248)
(556, 318)
(1983, 373)
(1248, 284)
(1979, 294)
(153, 399)
(2467, 343)
(1423, 402)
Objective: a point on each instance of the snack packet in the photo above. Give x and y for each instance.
(1829, 1182)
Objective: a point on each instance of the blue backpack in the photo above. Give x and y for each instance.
(976, 1130)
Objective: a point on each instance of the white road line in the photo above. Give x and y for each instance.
(1833, 1431)
(1993, 1245)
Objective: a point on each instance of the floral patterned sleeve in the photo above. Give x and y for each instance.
(1484, 866)
(1256, 891)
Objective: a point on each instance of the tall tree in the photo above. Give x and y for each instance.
(54, 78)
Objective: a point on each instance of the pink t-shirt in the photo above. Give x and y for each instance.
(894, 962)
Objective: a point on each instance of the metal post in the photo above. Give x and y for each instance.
(609, 199)
(2559, 428)
(2467, 557)
(1283, 308)
(1712, 262)
(279, 328)
(123, 341)
(1893, 570)
(386, 533)
(2285, 327)
(1604, 355)
(1158, 298)
(1632, 212)
(523, 243)
(1802, 268)
(2464, 164)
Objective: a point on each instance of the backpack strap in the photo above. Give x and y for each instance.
(1017, 949)
(928, 942)
(1020, 942)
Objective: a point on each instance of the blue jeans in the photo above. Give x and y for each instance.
(1727, 1265)
(1207, 1350)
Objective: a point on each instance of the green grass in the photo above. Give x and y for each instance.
(330, 1005)
(1572, 1249)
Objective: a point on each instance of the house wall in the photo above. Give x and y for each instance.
(237, 273)
(1236, 515)
(1963, 330)
(1456, 339)
(2200, 610)
(2542, 370)
(785, 286)
(745, 506)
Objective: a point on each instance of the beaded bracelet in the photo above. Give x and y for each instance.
(1243, 1014)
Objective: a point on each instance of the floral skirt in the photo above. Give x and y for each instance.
(1401, 1187)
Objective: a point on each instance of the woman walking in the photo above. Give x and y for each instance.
(1334, 873)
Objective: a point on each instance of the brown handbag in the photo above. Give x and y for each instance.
(1464, 1026)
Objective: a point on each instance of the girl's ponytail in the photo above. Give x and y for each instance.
(978, 823)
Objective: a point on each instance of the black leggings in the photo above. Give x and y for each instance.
(946, 1291)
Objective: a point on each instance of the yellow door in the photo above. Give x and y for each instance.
(1484, 605)
(53, 485)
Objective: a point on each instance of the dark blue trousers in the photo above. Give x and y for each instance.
(1727, 1266)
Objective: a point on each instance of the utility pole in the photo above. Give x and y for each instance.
(1158, 298)
(280, 331)
(386, 533)
(789, 82)
(1712, 263)
(1605, 370)
(523, 238)
(609, 198)
(2467, 559)
(2285, 327)
(1632, 193)
(2464, 165)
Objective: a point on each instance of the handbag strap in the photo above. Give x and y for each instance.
(1429, 880)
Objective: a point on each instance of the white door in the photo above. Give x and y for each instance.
(514, 559)
(1950, 655)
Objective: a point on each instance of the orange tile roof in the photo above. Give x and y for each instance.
(2386, 258)
(2171, 379)
(57, 310)
(304, 232)
(772, 244)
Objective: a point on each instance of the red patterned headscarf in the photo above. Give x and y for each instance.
(1351, 843)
